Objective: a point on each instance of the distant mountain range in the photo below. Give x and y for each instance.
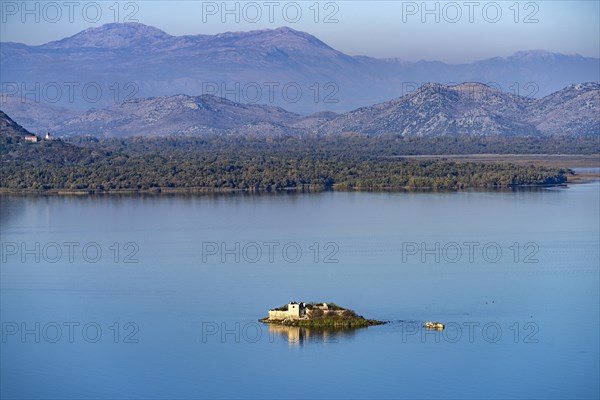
(469, 109)
(279, 67)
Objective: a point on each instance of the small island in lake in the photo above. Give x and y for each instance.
(317, 315)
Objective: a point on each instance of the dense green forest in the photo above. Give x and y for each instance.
(269, 164)
(377, 146)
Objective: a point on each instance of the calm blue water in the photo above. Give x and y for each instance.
(159, 297)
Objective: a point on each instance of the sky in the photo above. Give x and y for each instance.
(450, 31)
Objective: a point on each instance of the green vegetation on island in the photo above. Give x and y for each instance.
(254, 164)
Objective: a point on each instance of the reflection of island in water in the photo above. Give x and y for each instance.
(299, 336)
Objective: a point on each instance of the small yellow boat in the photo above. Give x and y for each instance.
(434, 325)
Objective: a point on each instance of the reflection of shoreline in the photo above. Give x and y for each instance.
(298, 336)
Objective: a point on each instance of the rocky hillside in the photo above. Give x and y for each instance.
(438, 110)
(9, 128)
(433, 110)
(573, 111)
(173, 115)
(474, 109)
(14, 149)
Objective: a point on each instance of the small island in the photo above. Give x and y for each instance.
(317, 315)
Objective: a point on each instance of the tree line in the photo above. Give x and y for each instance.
(262, 164)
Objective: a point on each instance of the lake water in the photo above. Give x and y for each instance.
(159, 296)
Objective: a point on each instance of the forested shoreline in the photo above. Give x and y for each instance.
(254, 164)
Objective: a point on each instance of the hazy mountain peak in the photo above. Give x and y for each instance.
(114, 35)
(283, 38)
(475, 90)
(282, 30)
(538, 56)
(467, 86)
(585, 86)
(429, 89)
(430, 85)
(288, 30)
